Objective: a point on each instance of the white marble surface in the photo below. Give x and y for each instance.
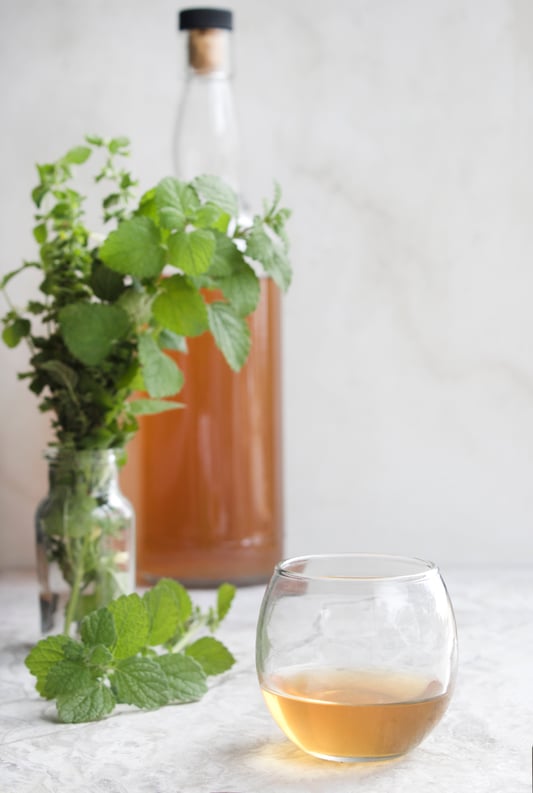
(227, 742)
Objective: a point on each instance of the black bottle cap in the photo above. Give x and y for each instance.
(202, 18)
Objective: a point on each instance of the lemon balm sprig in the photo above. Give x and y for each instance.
(138, 651)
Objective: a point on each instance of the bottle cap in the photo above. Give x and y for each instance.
(205, 18)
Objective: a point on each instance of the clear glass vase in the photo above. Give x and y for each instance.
(85, 534)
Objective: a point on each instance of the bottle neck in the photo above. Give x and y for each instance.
(207, 135)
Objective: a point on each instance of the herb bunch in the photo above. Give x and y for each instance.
(174, 265)
(139, 651)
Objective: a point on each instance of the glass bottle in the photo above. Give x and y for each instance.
(206, 481)
(85, 536)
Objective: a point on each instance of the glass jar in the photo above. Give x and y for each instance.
(85, 534)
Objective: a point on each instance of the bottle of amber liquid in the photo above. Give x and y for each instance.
(206, 481)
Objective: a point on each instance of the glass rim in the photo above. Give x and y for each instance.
(427, 568)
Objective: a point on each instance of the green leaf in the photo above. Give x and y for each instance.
(106, 283)
(66, 677)
(95, 140)
(38, 193)
(185, 677)
(141, 682)
(180, 308)
(168, 340)
(211, 216)
(180, 595)
(90, 330)
(40, 233)
(63, 375)
(134, 248)
(161, 375)
(148, 207)
(149, 407)
(213, 656)
(98, 627)
(100, 655)
(77, 155)
(242, 289)
(164, 612)
(116, 145)
(111, 200)
(90, 703)
(137, 304)
(171, 194)
(15, 331)
(270, 253)
(227, 258)
(225, 595)
(131, 624)
(215, 190)
(192, 251)
(45, 655)
(231, 334)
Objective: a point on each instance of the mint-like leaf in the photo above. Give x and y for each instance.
(66, 677)
(270, 252)
(176, 200)
(138, 681)
(15, 331)
(101, 656)
(213, 656)
(91, 329)
(45, 655)
(106, 284)
(161, 375)
(231, 333)
(242, 289)
(216, 191)
(98, 627)
(180, 595)
(164, 612)
(185, 677)
(172, 341)
(77, 155)
(131, 624)
(180, 308)
(90, 703)
(225, 595)
(191, 252)
(134, 248)
(149, 407)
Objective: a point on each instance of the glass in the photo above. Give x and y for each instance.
(207, 137)
(356, 653)
(206, 481)
(85, 535)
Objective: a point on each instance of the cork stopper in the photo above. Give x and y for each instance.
(206, 50)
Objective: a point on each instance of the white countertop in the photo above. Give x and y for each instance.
(228, 741)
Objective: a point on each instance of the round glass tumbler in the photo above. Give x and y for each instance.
(356, 653)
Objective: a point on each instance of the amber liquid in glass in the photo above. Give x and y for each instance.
(352, 715)
(205, 481)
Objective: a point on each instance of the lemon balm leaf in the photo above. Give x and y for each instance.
(140, 682)
(231, 333)
(132, 625)
(213, 656)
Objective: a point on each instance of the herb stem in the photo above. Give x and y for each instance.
(195, 628)
(75, 588)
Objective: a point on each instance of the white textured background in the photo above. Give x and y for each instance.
(402, 134)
